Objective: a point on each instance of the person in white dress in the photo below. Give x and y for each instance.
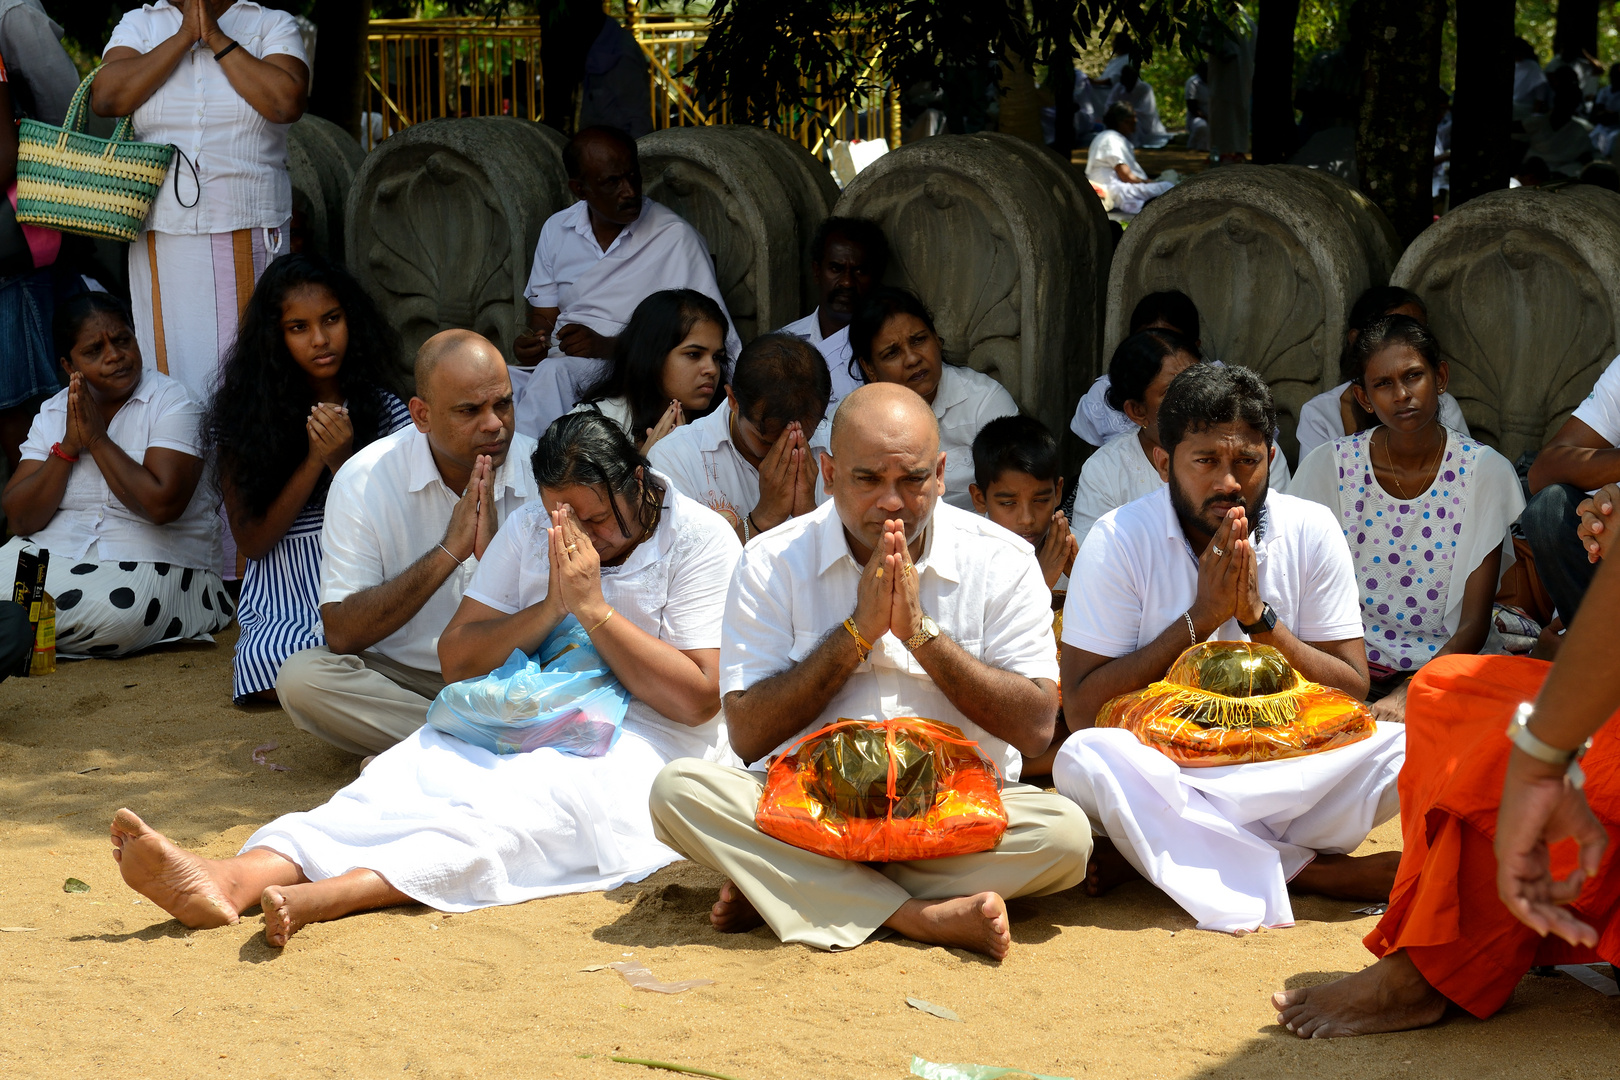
(1112, 168)
(1425, 511)
(441, 822)
(848, 257)
(1214, 555)
(1561, 137)
(893, 340)
(1133, 90)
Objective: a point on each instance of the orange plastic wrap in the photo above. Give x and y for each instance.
(890, 791)
(1232, 702)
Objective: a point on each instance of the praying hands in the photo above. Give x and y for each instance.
(1057, 551)
(331, 435)
(1228, 578)
(787, 481)
(886, 600)
(1597, 529)
(576, 570)
(85, 426)
(473, 521)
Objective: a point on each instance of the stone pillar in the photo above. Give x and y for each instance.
(443, 219)
(1009, 247)
(756, 197)
(1523, 289)
(322, 160)
(1274, 256)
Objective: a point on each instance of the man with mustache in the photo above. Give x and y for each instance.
(594, 262)
(1213, 555)
(407, 519)
(848, 257)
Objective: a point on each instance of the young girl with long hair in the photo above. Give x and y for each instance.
(309, 381)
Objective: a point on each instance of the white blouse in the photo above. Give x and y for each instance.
(241, 157)
(966, 400)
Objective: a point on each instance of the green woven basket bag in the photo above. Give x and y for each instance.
(73, 181)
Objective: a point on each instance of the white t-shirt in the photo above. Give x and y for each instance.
(388, 506)
(981, 584)
(1136, 574)
(1108, 149)
(241, 157)
(673, 586)
(1601, 409)
(835, 350)
(965, 401)
(1321, 422)
(91, 520)
(703, 464)
(1115, 475)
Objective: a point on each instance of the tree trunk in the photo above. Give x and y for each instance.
(1062, 63)
(1273, 109)
(1577, 28)
(340, 62)
(1482, 106)
(1399, 107)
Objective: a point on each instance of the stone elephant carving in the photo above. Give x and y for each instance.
(1009, 247)
(322, 160)
(443, 219)
(1274, 256)
(1523, 288)
(757, 198)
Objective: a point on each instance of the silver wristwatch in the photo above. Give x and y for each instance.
(1519, 733)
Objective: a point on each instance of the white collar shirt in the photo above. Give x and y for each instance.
(241, 157)
(704, 464)
(1136, 575)
(796, 584)
(673, 587)
(1116, 474)
(965, 401)
(91, 522)
(835, 349)
(387, 507)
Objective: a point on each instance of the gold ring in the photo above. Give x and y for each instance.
(910, 568)
(571, 548)
(879, 574)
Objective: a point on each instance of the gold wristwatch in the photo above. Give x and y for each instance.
(928, 632)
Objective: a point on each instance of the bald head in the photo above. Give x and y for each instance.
(463, 402)
(885, 412)
(457, 356)
(885, 464)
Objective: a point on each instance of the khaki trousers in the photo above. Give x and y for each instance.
(706, 812)
(364, 703)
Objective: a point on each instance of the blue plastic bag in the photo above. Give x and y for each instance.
(564, 697)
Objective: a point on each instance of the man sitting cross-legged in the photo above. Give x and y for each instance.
(1210, 555)
(754, 460)
(955, 614)
(407, 520)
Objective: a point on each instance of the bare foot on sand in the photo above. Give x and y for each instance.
(183, 884)
(284, 914)
(1349, 877)
(1392, 995)
(976, 923)
(733, 913)
(1107, 869)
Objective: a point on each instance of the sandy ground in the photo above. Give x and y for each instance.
(108, 986)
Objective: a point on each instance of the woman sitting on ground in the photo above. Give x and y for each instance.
(1123, 471)
(669, 364)
(436, 820)
(109, 486)
(1425, 511)
(309, 381)
(892, 339)
(1112, 168)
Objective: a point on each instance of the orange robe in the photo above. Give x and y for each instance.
(1444, 910)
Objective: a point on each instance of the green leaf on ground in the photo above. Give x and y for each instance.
(73, 884)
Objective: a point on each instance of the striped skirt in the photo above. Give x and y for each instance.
(280, 607)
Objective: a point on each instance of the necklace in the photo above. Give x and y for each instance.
(1399, 487)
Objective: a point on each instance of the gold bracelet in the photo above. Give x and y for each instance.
(599, 625)
(863, 648)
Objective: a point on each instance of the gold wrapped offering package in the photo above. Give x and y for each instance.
(1233, 702)
(890, 791)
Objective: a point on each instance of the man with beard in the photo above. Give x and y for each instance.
(848, 257)
(594, 262)
(881, 603)
(1212, 556)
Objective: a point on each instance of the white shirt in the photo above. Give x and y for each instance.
(1321, 422)
(616, 409)
(981, 583)
(241, 157)
(388, 506)
(835, 350)
(1565, 150)
(1108, 149)
(1136, 575)
(673, 586)
(1115, 475)
(1150, 131)
(965, 401)
(1530, 83)
(91, 520)
(704, 464)
(1601, 409)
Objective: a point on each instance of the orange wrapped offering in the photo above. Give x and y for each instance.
(890, 791)
(1231, 702)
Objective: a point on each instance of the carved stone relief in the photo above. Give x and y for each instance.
(322, 160)
(1274, 257)
(1008, 246)
(443, 219)
(1523, 289)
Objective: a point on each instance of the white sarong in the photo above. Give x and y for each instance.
(459, 828)
(1224, 842)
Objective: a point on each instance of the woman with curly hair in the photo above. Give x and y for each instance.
(308, 382)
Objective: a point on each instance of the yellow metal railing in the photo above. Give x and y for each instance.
(421, 69)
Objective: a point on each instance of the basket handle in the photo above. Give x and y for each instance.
(78, 112)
